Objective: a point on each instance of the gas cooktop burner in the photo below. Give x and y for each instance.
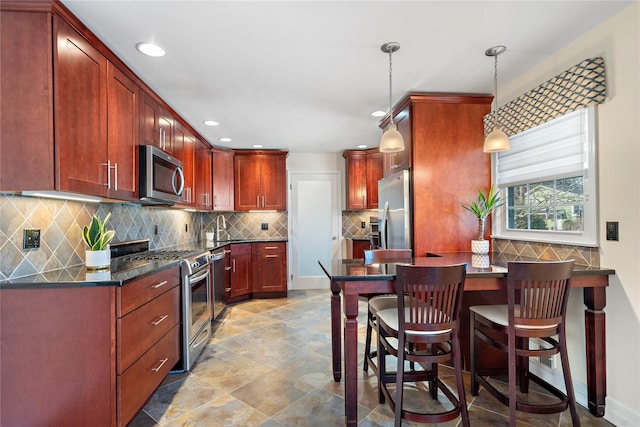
(161, 255)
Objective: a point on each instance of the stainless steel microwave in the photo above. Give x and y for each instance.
(160, 175)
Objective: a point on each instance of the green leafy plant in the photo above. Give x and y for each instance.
(95, 235)
(483, 206)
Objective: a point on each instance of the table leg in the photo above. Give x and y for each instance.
(594, 322)
(351, 358)
(336, 320)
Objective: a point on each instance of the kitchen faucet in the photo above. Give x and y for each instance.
(219, 228)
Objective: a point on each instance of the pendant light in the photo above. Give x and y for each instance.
(391, 141)
(497, 140)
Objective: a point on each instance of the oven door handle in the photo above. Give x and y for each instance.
(196, 279)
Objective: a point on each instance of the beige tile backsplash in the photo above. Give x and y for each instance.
(61, 222)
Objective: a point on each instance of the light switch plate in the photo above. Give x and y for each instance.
(612, 230)
(31, 238)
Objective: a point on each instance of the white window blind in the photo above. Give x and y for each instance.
(556, 149)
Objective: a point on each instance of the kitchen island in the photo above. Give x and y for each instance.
(488, 274)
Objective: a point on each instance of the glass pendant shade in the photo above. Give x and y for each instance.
(496, 141)
(391, 141)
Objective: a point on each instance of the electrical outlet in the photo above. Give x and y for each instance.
(612, 230)
(155, 229)
(186, 228)
(31, 238)
(264, 226)
(363, 224)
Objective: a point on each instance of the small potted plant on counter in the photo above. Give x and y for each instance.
(97, 237)
(482, 208)
(209, 232)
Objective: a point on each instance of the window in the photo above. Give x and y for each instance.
(548, 180)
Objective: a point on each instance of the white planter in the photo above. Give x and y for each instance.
(480, 261)
(480, 247)
(98, 275)
(97, 260)
(209, 236)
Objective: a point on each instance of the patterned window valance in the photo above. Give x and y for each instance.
(579, 86)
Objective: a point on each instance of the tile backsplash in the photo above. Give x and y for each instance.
(585, 256)
(61, 222)
(352, 223)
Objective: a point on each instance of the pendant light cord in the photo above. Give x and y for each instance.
(390, 83)
(495, 89)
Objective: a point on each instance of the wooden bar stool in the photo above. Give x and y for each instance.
(537, 302)
(423, 329)
(380, 302)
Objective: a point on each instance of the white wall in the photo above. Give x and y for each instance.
(617, 40)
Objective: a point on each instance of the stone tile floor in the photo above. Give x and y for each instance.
(269, 364)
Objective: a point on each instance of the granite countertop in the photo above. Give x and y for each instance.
(478, 266)
(120, 272)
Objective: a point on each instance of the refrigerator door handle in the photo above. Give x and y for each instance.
(383, 226)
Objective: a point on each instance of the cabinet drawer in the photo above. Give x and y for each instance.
(139, 382)
(140, 329)
(270, 247)
(138, 292)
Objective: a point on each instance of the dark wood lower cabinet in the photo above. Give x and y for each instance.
(86, 355)
(269, 269)
(240, 272)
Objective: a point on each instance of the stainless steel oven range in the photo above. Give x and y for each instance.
(196, 297)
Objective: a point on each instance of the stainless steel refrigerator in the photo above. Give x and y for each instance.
(394, 200)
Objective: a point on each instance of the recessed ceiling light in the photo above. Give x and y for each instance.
(150, 49)
(362, 146)
(379, 113)
(224, 139)
(211, 123)
(257, 145)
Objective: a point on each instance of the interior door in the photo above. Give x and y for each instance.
(314, 226)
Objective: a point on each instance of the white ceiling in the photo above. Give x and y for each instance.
(305, 75)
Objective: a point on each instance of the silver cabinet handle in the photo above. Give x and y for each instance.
(257, 201)
(108, 165)
(115, 173)
(263, 201)
(227, 289)
(160, 320)
(271, 256)
(162, 362)
(233, 262)
(227, 251)
(159, 285)
(271, 247)
(227, 268)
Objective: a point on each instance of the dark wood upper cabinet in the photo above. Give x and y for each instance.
(260, 180)
(122, 134)
(80, 112)
(203, 180)
(157, 126)
(363, 170)
(223, 193)
(356, 179)
(26, 101)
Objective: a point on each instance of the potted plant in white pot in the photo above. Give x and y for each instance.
(209, 232)
(482, 208)
(97, 238)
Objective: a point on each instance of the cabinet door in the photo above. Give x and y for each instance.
(184, 150)
(222, 180)
(247, 183)
(81, 113)
(269, 267)
(240, 269)
(203, 176)
(273, 182)
(26, 92)
(356, 181)
(156, 126)
(375, 171)
(122, 135)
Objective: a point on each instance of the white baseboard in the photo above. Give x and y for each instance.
(615, 412)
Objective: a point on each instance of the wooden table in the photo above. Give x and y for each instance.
(351, 278)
